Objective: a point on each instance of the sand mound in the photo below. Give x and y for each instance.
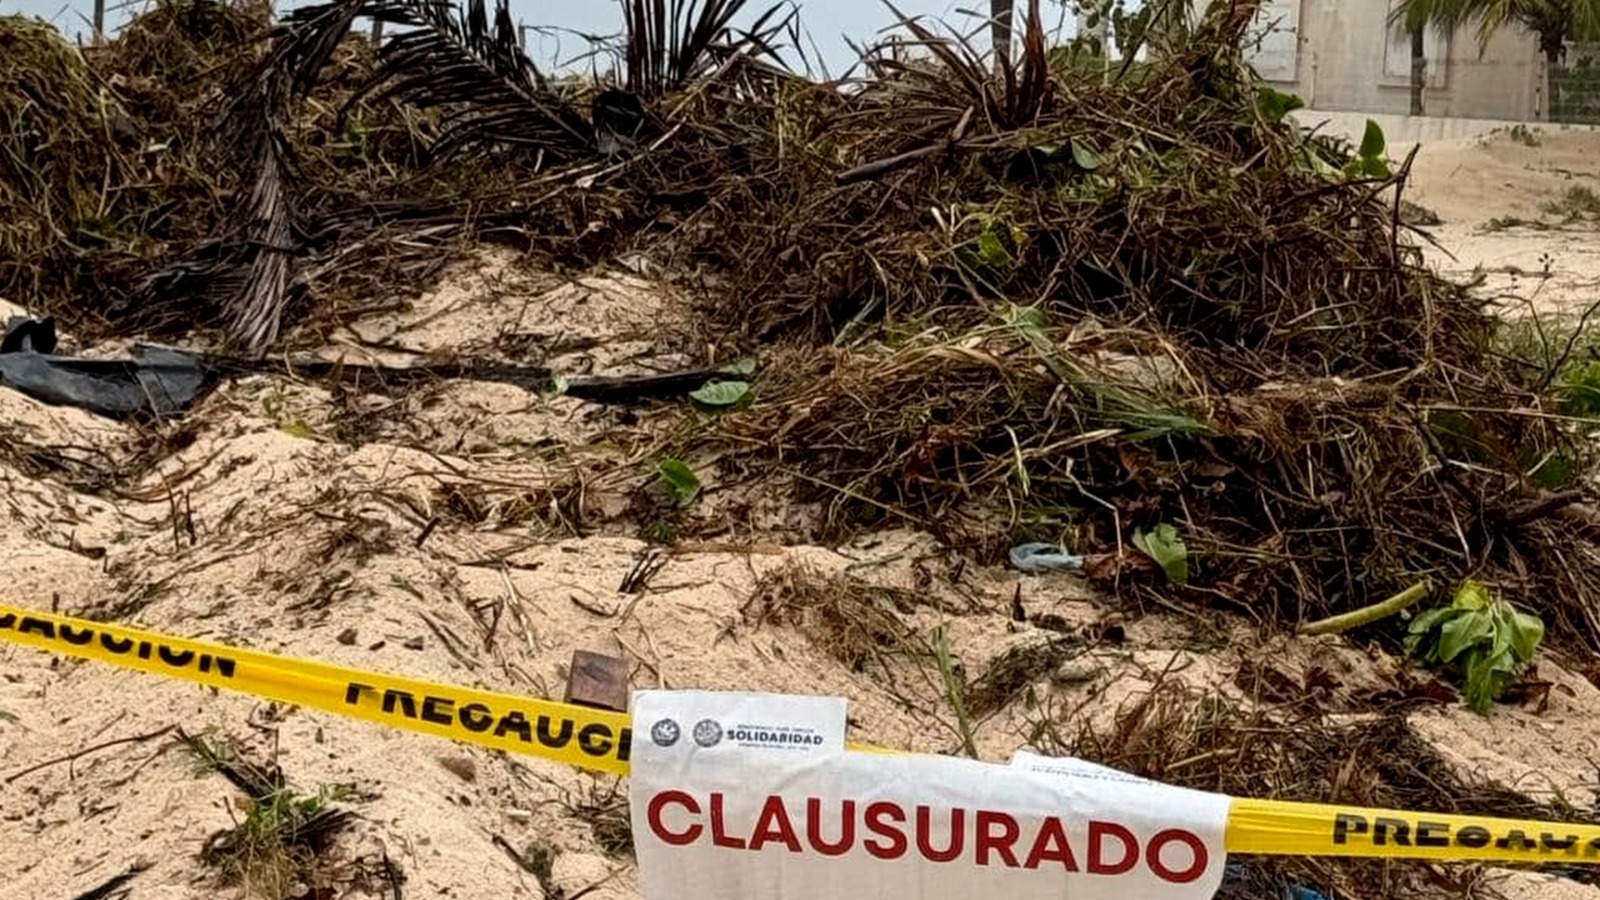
(259, 528)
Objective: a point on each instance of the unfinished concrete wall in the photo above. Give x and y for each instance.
(1342, 55)
(1402, 131)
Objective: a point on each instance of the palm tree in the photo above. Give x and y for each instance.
(1555, 22)
(1416, 16)
(1001, 13)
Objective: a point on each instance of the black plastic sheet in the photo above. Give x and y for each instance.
(152, 382)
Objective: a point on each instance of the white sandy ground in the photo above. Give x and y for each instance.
(268, 531)
(1549, 266)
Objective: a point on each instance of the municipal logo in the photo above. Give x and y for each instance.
(665, 733)
(707, 733)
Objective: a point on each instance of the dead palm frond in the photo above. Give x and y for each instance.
(963, 76)
(669, 42)
(254, 127)
(456, 58)
(256, 311)
(462, 59)
(465, 61)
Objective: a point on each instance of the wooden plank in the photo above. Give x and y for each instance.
(598, 681)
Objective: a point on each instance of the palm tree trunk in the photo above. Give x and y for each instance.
(1554, 48)
(1419, 70)
(1001, 13)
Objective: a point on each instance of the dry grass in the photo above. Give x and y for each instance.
(1184, 737)
(59, 154)
(1017, 669)
(853, 621)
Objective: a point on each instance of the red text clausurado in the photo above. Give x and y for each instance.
(978, 837)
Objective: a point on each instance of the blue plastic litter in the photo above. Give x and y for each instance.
(1045, 558)
(1242, 872)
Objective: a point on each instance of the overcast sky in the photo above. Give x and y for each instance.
(827, 21)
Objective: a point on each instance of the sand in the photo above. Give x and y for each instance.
(297, 521)
(1491, 194)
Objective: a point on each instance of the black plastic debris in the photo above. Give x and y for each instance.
(1243, 881)
(153, 382)
(22, 333)
(161, 381)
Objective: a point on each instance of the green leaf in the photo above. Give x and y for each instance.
(1275, 105)
(1503, 663)
(745, 367)
(1483, 638)
(1372, 142)
(1471, 595)
(1500, 627)
(1029, 318)
(721, 393)
(991, 250)
(1165, 547)
(1084, 156)
(1432, 618)
(1374, 167)
(1413, 645)
(1480, 683)
(1526, 634)
(1422, 639)
(680, 480)
(1461, 633)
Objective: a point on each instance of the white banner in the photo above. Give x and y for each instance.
(752, 797)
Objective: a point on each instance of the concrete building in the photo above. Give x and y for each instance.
(1342, 55)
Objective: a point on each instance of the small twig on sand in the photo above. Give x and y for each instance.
(516, 855)
(1368, 614)
(106, 888)
(645, 567)
(452, 642)
(596, 886)
(519, 612)
(392, 874)
(136, 739)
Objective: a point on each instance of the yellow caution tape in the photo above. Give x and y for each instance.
(575, 735)
(1312, 829)
(599, 740)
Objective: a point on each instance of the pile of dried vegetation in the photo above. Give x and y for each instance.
(1133, 309)
(1119, 313)
(58, 146)
(136, 187)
